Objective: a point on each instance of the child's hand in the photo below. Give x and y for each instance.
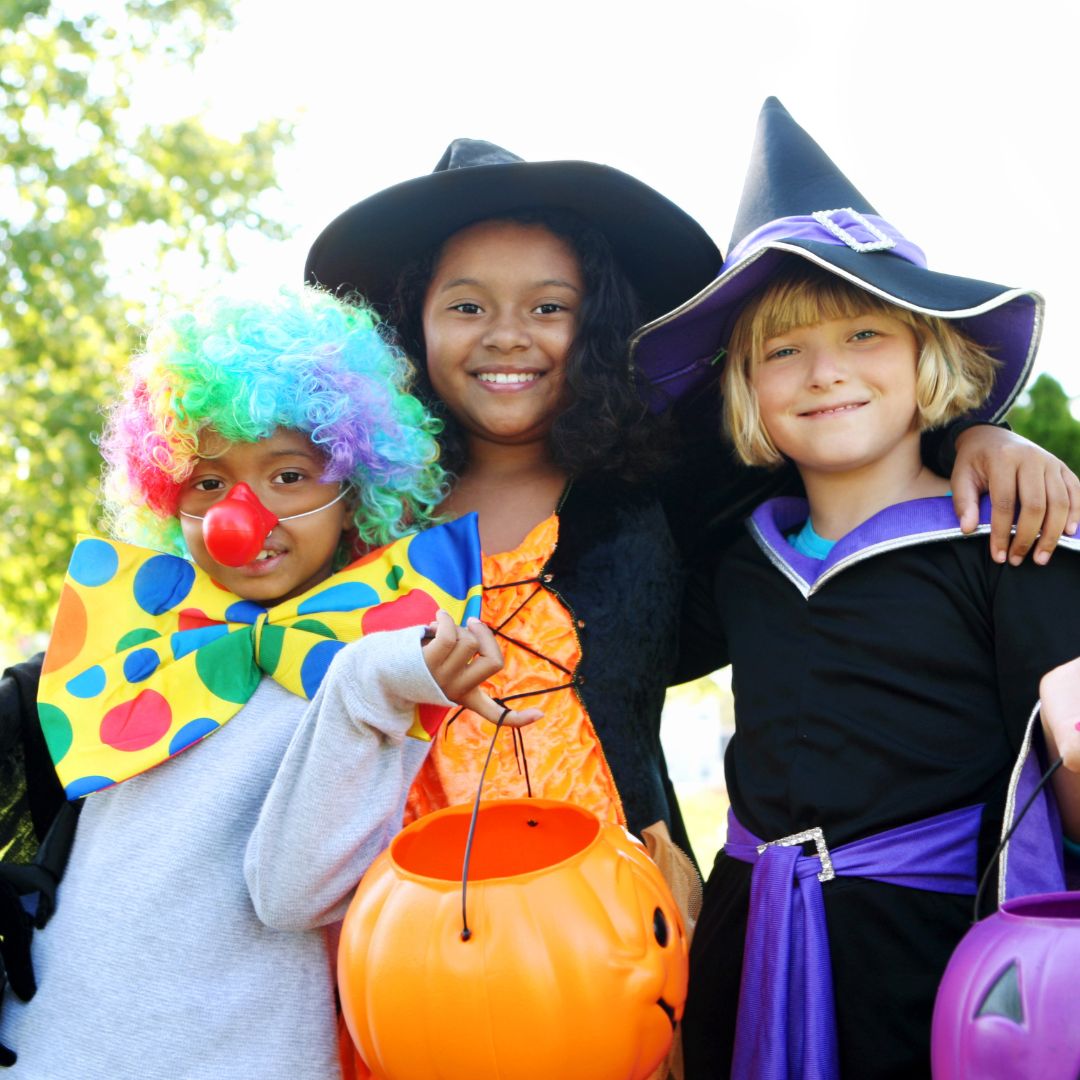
(1059, 692)
(1013, 469)
(460, 659)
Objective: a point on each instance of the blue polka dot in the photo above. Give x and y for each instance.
(245, 611)
(141, 664)
(348, 596)
(87, 784)
(315, 664)
(163, 582)
(88, 684)
(93, 562)
(449, 555)
(192, 732)
(187, 641)
(472, 609)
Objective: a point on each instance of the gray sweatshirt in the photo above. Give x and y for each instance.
(157, 963)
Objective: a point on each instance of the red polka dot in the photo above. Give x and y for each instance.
(138, 723)
(191, 618)
(431, 716)
(69, 633)
(415, 608)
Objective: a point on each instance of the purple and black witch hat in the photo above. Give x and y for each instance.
(796, 202)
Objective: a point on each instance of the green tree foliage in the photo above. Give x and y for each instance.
(1044, 416)
(78, 169)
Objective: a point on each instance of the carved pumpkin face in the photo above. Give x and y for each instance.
(576, 966)
(1007, 1003)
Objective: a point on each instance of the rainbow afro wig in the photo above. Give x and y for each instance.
(304, 361)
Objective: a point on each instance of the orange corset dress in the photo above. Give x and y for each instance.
(539, 642)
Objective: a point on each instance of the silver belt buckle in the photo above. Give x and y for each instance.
(827, 872)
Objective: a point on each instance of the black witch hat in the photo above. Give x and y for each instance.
(661, 249)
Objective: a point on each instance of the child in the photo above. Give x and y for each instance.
(296, 412)
(884, 667)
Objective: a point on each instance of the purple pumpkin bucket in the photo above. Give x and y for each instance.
(1009, 1002)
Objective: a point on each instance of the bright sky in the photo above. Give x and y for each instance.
(956, 118)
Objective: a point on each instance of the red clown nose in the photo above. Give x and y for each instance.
(235, 528)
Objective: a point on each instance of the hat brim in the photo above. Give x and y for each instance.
(678, 352)
(662, 250)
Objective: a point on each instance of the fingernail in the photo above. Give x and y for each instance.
(1016, 560)
(1071, 528)
(1042, 557)
(999, 556)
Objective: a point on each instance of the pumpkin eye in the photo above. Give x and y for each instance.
(1003, 998)
(660, 928)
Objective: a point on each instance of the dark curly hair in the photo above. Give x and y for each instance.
(607, 427)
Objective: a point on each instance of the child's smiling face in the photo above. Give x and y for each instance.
(285, 473)
(499, 318)
(840, 395)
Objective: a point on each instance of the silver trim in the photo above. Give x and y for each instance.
(1005, 297)
(1010, 799)
(827, 873)
(909, 540)
(880, 243)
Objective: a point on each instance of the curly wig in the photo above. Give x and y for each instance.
(303, 361)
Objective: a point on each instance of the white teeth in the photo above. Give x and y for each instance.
(508, 376)
(265, 554)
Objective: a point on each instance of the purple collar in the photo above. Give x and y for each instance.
(916, 522)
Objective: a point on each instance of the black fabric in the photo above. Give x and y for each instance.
(709, 495)
(30, 787)
(899, 690)
(38, 826)
(665, 253)
(617, 570)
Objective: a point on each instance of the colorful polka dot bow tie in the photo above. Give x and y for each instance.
(149, 655)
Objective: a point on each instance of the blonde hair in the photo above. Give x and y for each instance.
(953, 373)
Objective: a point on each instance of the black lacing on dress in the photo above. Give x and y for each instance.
(500, 632)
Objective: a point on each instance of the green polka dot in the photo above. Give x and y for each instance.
(227, 667)
(393, 579)
(270, 648)
(57, 729)
(313, 626)
(136, 637)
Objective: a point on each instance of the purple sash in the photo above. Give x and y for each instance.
(786, 1028)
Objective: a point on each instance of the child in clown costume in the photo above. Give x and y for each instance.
(885, 669)
(253, 445)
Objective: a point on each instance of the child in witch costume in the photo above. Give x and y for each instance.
(885, 668)
(253, 444)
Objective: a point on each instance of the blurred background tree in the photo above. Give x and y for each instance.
(79, 170)
(1044, 415)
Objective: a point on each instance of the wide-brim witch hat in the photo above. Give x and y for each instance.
(796, 202)
(663, 251)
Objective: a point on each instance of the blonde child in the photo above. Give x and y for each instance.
(884, 666)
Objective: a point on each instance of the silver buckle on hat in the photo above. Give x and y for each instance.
(880, 243)
(815, 834)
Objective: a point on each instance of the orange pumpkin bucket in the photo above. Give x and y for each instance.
(573, 963)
